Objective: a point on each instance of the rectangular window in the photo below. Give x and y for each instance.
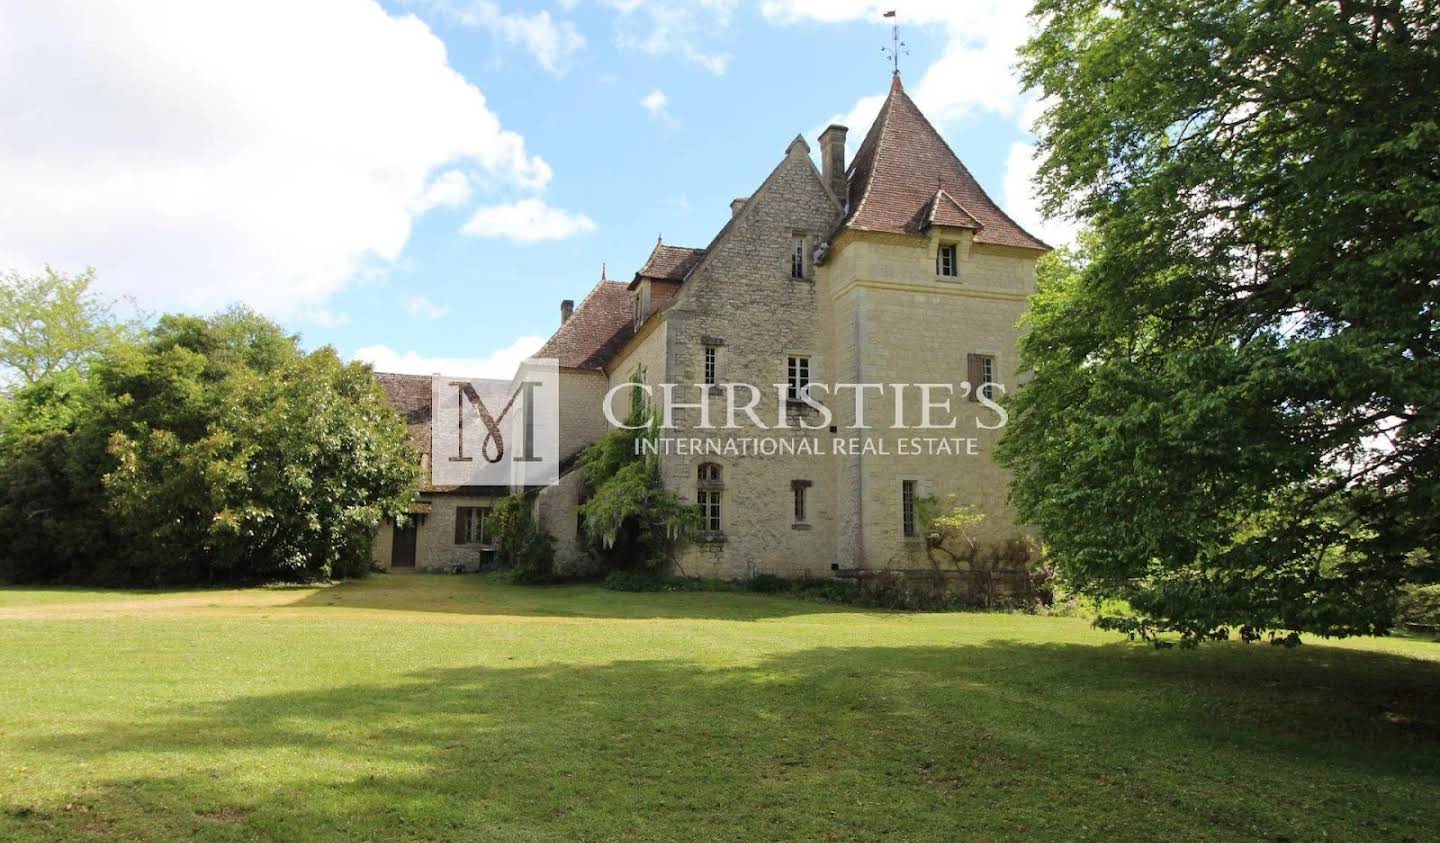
(710, 353)
(797, 257)
(981, 374)
(907, 508)
(710, 511)
(470, 524)
(799, 487)
(798, 377)
(945, 260)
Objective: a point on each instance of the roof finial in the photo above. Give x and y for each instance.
(602, 271)
(897, 47)
(659, 239)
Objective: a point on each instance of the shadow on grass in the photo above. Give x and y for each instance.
(1006, 740)
(487, 595)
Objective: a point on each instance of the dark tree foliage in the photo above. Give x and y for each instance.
(1233, 421)
(213, 450)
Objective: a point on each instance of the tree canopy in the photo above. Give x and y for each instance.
(1233, 417)
(53, 322)
(205, 451)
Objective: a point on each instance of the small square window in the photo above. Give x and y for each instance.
(945, 261)
(797, 377)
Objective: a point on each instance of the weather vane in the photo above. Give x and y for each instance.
(897, 47)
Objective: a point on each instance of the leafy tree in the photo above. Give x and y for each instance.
(53, 322)
(213, 451)
(1233, 418)
(631, 520)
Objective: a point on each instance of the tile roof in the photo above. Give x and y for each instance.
(669, 263)
(903, 166)
(410, 396)
(597, 329)
(946, 211)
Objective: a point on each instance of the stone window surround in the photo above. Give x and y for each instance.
(710, 494)
(800, 489)
(807, 260)
(809, 361)
(961, 240)
(918, 492)
(996, 359)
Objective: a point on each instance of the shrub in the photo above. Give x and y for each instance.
(1420, 607)
(521, 542)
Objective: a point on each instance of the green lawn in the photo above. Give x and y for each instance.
(431, 708)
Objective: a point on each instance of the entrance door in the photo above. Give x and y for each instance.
(402, 547)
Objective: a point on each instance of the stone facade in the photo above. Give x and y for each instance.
(908, 274)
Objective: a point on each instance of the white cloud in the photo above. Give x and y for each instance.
(663, 27)
(527, 221)
(1021, 203)
(500, 363)
(423, 308)
(263, 151)
(450, 189)
(550, 42)
(657, 104)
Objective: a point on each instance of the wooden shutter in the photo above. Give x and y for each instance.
(462, 514)
(976, 365)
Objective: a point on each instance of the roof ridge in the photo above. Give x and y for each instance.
(882, 118)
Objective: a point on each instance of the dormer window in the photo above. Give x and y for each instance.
(945, 265)
(637, 311)
(797, 256)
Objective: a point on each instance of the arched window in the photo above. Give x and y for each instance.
(709, 487)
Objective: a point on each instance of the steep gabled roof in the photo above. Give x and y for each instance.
(596, 330)
(902, 166)
(668, 263)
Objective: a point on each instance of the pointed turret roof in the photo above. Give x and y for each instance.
(906, 178)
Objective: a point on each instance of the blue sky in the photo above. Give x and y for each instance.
(420, 182)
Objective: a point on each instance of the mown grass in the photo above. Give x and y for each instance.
(434, 708)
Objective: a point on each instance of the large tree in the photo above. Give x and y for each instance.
(1233, 417)
(213, 450)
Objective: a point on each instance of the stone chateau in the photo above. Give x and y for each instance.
(897, 269)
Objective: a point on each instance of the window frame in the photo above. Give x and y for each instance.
(800, 492)
(709, 496)
(795, 365)
(951, 251)
(909, 510)
(709, 365)
(799, 265)
(475, 530)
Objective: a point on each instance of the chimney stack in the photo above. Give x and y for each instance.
(832, 160)
(567, 307)
(736, 205)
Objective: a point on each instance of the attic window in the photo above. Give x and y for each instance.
(797, 256)
(945, 261)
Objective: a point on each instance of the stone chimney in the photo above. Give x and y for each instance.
(832, 160)
(567, 307)
(736, 205)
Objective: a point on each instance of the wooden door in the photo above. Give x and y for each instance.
(402, 547)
